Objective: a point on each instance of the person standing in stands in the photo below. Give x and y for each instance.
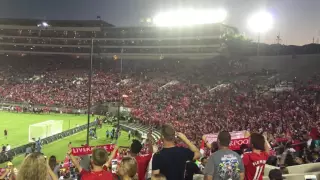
(255, 161)
(142, 160)
(191, 169)
(275, 174)
(224, 163)
(54, 166)
(171, 160)
(127, 169)
(98, 159)
(35, 167)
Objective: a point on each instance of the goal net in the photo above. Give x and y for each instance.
(44, 129)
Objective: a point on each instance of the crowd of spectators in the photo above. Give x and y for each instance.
(172, 92)
(171, 162)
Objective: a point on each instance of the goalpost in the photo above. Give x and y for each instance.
(44, 129)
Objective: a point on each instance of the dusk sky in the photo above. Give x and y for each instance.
(296, 20)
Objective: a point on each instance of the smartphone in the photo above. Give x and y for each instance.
(310, 177)
(114, 164)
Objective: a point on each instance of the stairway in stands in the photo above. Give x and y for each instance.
(144, 129)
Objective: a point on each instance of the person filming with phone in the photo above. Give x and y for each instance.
(171, 160)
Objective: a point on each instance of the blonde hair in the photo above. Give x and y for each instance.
(33, 168)
(128, 167)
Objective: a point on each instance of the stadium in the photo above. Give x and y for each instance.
(196, 78)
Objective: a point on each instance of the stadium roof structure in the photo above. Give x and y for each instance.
(59, 23)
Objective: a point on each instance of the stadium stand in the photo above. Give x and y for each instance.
(187, 79)
(142, 130)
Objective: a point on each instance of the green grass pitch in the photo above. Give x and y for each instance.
(17, 125)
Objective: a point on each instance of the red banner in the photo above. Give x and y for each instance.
(80, 151)
(209, 138)
(236, 143)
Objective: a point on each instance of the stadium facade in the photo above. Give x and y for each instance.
(29, 37)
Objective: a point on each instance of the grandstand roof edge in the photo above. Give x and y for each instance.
(62, 23)
(154, 26)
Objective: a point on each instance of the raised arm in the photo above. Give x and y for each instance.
(74, 161)
(191, 146)
(112, 155)
(5, 174)
(267, 146)
(51, 174)
(150, 142)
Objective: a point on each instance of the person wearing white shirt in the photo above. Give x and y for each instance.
(8, 147)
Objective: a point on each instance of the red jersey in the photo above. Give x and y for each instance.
(96, 175)
(254, 164)
(143, 162)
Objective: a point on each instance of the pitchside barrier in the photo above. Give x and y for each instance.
(8, 156)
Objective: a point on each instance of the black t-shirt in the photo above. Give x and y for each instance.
(172, 162)
(191, 169)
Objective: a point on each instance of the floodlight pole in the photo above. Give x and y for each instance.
(119, 92)
(258, 48)
(89, 91)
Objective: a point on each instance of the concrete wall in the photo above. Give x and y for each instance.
(297, 172)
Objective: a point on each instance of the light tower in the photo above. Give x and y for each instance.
(278, 39)
(259, 23)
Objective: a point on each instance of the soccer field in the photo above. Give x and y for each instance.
(17, 125)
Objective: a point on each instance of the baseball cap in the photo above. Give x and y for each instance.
(276, 174)
(9, 164)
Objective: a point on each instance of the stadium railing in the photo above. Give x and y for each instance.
(297, 171)
(4, 105)
(8, 156)
(296, 176)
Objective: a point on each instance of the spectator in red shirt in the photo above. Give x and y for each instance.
(98, 159)
(255, 161)
(142, 160)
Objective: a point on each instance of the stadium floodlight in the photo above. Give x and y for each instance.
(260, 22)
(189, 17)
(43, 24)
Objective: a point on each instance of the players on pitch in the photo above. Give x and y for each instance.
(5, 133)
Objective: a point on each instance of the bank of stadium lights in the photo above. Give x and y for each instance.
(189, 17)
(260, 22)
(43, 24)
